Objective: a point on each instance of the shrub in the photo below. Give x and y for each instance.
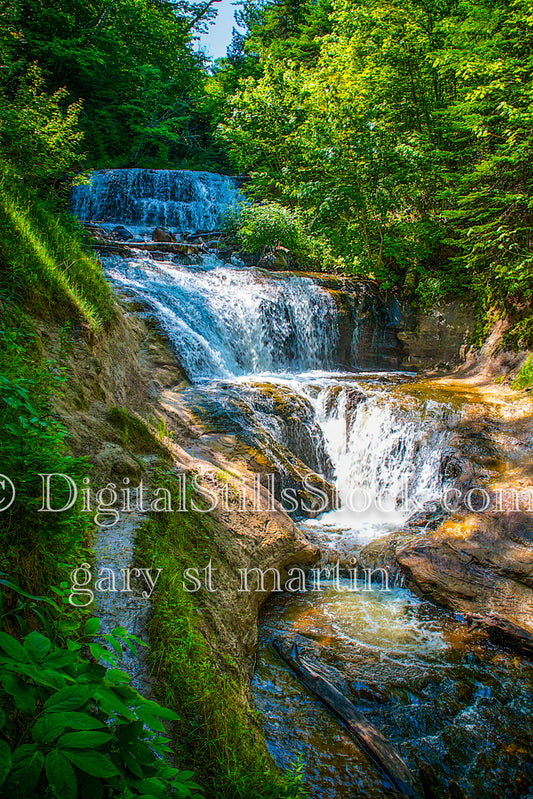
(71, 727)
(266, 225)
(33, 545)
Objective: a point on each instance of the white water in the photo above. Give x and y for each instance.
(144, 198)
(386, 461)
(238, 330)
(226, 321)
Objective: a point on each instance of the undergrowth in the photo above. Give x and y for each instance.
(524, 378)
(44, 266)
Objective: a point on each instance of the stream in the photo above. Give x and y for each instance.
(308, 377)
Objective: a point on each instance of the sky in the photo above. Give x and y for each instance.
(216, 40)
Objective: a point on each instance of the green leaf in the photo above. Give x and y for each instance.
(181, 790)
(93, 763)
(24, 696)
(37, 645)
(92, 626)
(131, 762)
(183, 776)
(153, 787)
(5, 760)
(2, 718)
(82, 721)
(67, 626)
(111, 704)
(48, 728)
(12, 648)
(52, 679)
(161, 712)
(86, 738)
(114, 644)
(59, 659)
(60, 775)
(70, 698)
(26, 765)
(117, 677)
(151, 721)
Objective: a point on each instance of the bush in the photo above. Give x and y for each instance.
(267, 225)
(32, 442)
(70, 727)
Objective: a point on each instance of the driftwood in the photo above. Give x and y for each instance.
(382, 753)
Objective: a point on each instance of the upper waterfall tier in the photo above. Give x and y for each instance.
(182, 200)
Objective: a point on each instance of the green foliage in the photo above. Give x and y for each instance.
(402, 130)
(39, 133)
(524, 378)
(70, 727)
(44, 265)
(269, 224)
(34, 544)
(130, 70)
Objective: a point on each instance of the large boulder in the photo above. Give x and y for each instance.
(162, 234)
(480, 565)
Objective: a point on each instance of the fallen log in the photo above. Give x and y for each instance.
(381, 752)
(150, 246)
(502, 631)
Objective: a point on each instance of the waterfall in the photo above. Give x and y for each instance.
(384, 457)
(179, 199)
(261, 349)
(225, 321)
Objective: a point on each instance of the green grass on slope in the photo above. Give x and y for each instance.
(43, 266)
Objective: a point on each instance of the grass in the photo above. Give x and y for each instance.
(134, 433)
(44, 266)
(216, 735)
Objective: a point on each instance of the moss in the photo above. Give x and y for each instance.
(524, 378)
(134, 433)
(216, 735)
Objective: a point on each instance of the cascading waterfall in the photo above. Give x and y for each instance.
(247, 337)
(227, 321)
(386, 460)
(182, 200)
(261, 351)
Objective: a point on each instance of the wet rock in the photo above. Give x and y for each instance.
(96, 234)
(480, 564)
(121, 233)
(163, 235)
